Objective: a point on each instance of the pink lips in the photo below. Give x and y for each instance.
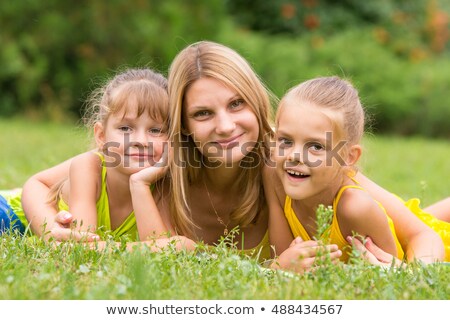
(139, 155)
(229, 143)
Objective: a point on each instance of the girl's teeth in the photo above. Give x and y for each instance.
(296, 173)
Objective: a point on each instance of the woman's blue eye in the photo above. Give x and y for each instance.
(236, 103)
(202, 114)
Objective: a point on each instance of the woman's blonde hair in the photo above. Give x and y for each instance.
(216, 61)
(144, 89)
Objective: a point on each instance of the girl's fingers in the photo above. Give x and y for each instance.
(372, 253)
(64, 234)
(64, 217)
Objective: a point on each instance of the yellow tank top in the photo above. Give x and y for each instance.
(335, 233)
(127, 229)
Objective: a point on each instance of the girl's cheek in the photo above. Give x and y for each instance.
(159, 147)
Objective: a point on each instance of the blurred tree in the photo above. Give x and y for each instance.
(52, 50)
(411, 29)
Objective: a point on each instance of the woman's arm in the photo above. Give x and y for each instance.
(157, 245)
(417, 239)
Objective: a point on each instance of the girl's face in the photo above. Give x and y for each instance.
(131, 143)
(221, 124)
(308, 151)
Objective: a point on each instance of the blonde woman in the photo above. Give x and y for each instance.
(219, 129)
(220, 132)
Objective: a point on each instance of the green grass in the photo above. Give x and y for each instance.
(31, 269)
(409, 167)
(28, 147)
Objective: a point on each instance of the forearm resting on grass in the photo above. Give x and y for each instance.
(43, 215)
(150, 223)
(178, 243)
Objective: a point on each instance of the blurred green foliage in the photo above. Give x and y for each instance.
(397, 52)
(52, 50)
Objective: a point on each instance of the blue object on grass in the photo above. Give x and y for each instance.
(8, 219)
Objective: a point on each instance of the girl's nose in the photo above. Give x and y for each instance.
(295, 155)
(139, 138)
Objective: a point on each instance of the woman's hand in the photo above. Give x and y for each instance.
(372, 253)
(301, 256)
(62, 230)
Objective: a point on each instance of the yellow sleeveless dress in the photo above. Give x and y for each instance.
(442, 228)
(335, 234)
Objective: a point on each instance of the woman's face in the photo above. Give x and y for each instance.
(221, 124)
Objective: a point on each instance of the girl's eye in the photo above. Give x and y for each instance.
(156, 131)
(316, 147)
(125, 128)
(236, 104)
(284, 143)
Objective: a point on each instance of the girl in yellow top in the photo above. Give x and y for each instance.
(129, 119)
(319, 125)
(103, 188)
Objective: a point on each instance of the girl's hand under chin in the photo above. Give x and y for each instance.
(150, 175)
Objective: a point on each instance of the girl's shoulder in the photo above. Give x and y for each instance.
(355, 203)
(87, 160)
(87, 166)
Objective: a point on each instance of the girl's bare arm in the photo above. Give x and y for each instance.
(38, 211)
(417, 239)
